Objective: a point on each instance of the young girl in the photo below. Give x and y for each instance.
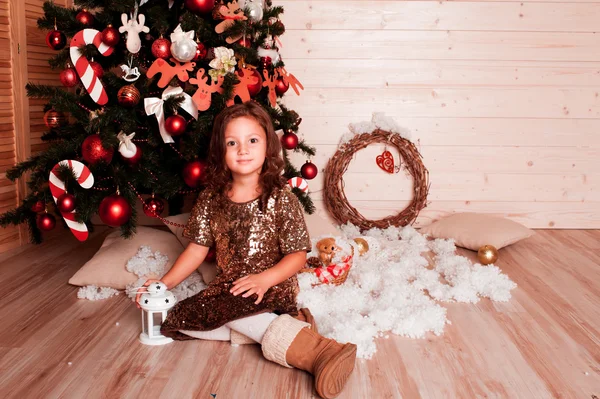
(261, 240)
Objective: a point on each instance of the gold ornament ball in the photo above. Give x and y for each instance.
(363, 245)
(487, 254)
(128, 96)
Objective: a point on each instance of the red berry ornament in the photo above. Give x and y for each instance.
(85, 17)
(201, 52)
(46, 222)
(309, 170)
(194, 173)
(97, 68)
(200, 6)
(175, 125)
(54, 119)
(153, 207)
(281, 87)
(161, 48)
(110, 36)
(257, 87)
(289, 141)
(66, 203)
(114, 210)
(245, 42)
(38, 206)
(68, 77)
(56, 40)
(92, 150)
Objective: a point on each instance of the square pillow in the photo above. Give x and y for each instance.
(107, 266)
(474, 230)
(178, 231)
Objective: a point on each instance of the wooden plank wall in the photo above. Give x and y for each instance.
(9, 237)
(502, 97)
(23, 58)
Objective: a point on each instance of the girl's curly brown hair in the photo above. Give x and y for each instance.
(219, 176)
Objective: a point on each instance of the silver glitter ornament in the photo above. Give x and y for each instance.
(184, 50)
(255, 10)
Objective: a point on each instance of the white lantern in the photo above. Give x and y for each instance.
(155, 303)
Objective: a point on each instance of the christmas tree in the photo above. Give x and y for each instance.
(143, 82)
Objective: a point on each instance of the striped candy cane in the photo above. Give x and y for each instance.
(57, 188)
(90, 81)
(298, 182)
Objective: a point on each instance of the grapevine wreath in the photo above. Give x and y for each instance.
(382, 130)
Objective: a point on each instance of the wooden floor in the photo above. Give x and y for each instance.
(544, 343)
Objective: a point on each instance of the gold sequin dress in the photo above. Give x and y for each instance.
(248, 241)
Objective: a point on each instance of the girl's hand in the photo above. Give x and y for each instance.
(140, 291)
(251, 284)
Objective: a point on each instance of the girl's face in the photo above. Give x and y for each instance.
(245, 147)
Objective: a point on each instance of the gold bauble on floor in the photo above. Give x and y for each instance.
(487, 254)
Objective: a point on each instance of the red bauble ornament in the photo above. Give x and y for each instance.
(134, 160)
(289, 141)
(46, 222)
(66, 203)
(128, 96)
(56, 40)
(114, 210)
(200, 6)
(281, 87)
(175, 125)
(257, 87)
(92, 150)
(97, 68)
(309, 170)
(110, 36)
(161, 48)
(201, 52)
(85, 17)
(194, 173)
(153, 207)
(54, 119)
(245, 42)
(38, 206)
(211, 256)
(69, 77)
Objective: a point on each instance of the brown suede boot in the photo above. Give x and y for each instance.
(290, 344)
(307, 317)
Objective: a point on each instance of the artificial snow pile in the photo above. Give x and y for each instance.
(378, 121)
(394, 288)
(145, 264)
(94, 293)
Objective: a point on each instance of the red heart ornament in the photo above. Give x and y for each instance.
(386, 161)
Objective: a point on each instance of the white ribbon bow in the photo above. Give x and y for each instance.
(178, 34)
(154, 106)
(170, 3)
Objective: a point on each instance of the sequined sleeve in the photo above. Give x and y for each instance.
(198, 227)
(293, 233)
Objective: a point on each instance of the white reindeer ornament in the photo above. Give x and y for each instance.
(133, 29)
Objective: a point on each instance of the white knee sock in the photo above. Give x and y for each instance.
(222, 333)
(253, 326)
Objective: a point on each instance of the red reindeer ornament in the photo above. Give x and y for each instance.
(168, 71)
(290, 79)
(203, 96)
(271, 83)
(241, 89)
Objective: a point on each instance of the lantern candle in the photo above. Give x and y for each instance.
(155, 303)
